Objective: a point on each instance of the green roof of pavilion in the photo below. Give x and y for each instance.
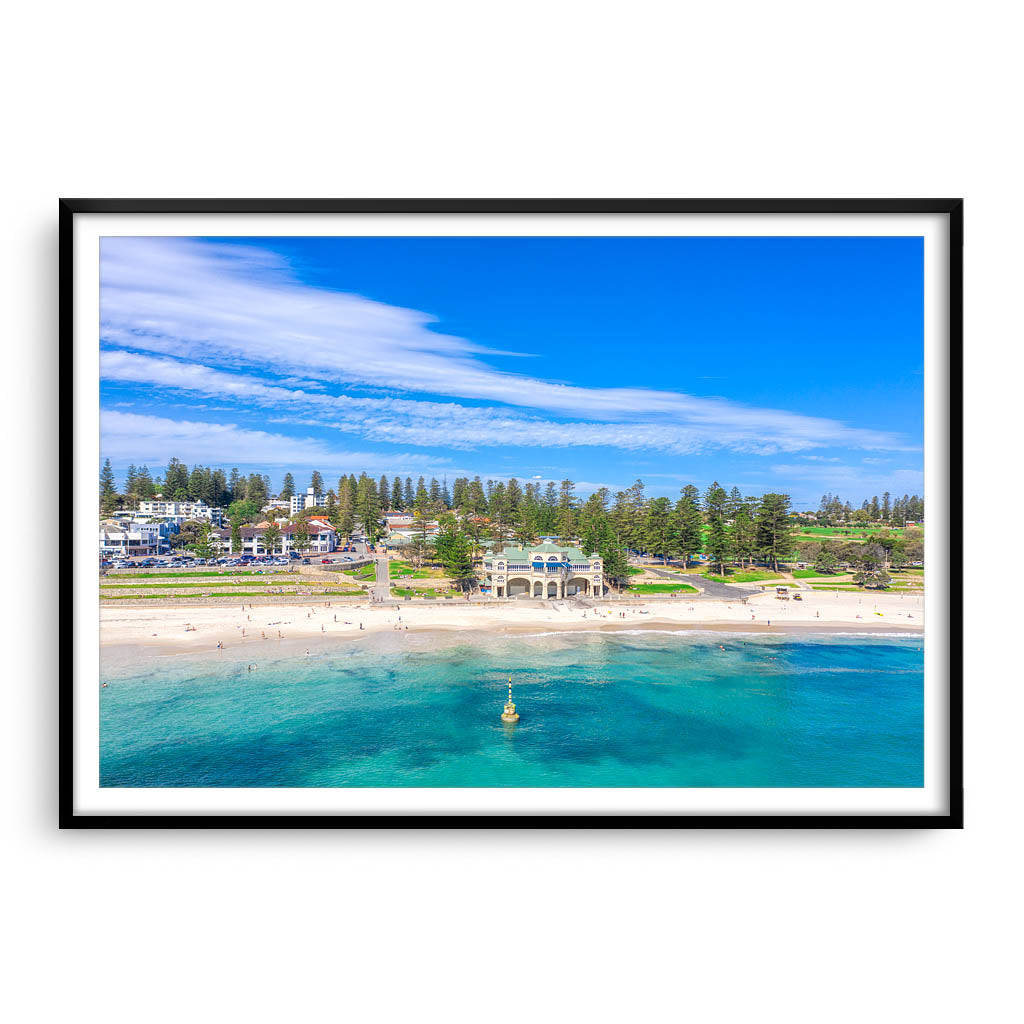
(572, 554)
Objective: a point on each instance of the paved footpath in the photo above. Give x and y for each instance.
(382, 588)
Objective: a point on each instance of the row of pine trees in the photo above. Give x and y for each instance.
(724, 524)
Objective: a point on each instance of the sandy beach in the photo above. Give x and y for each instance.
(166, 630)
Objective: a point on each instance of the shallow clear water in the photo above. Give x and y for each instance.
(608, 709)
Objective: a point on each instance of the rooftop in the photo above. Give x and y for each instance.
(519, 551)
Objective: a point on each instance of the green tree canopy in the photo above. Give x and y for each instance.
(271, 538)
(774, 529)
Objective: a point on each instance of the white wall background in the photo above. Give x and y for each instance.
(530, 99)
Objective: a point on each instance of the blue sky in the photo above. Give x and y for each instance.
(791, 364)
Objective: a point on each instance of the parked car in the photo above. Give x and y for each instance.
(325, 561)
(305, 561)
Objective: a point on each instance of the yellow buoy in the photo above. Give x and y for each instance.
(509, 714)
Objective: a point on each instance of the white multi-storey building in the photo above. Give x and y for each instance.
(308, 500)
(186, 509)
(323, 538)
(124, 537)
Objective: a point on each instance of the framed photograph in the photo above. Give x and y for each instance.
(520, 513)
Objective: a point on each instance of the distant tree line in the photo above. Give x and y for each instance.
(832, 511)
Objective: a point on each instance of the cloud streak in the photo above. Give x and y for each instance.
(131, 437)
(240, 307)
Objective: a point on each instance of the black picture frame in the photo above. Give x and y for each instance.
(953, 209)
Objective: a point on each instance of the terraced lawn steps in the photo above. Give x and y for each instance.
(663, 588)
(420, 592)
(235, 593)
(190, 575)
(267, 582)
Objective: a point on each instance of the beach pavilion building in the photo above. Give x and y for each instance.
(543, 571)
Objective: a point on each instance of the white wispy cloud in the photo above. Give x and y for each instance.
(153, 440)
(427, 423)
(241, 307)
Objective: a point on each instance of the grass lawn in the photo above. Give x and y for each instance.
(744, 576)
(423, 592)
(808, 574)
(847, 531)
(364, 572)
(400, 568)
(634, 571)
(663, 588)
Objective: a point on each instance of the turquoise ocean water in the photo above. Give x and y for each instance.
(598, 709)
